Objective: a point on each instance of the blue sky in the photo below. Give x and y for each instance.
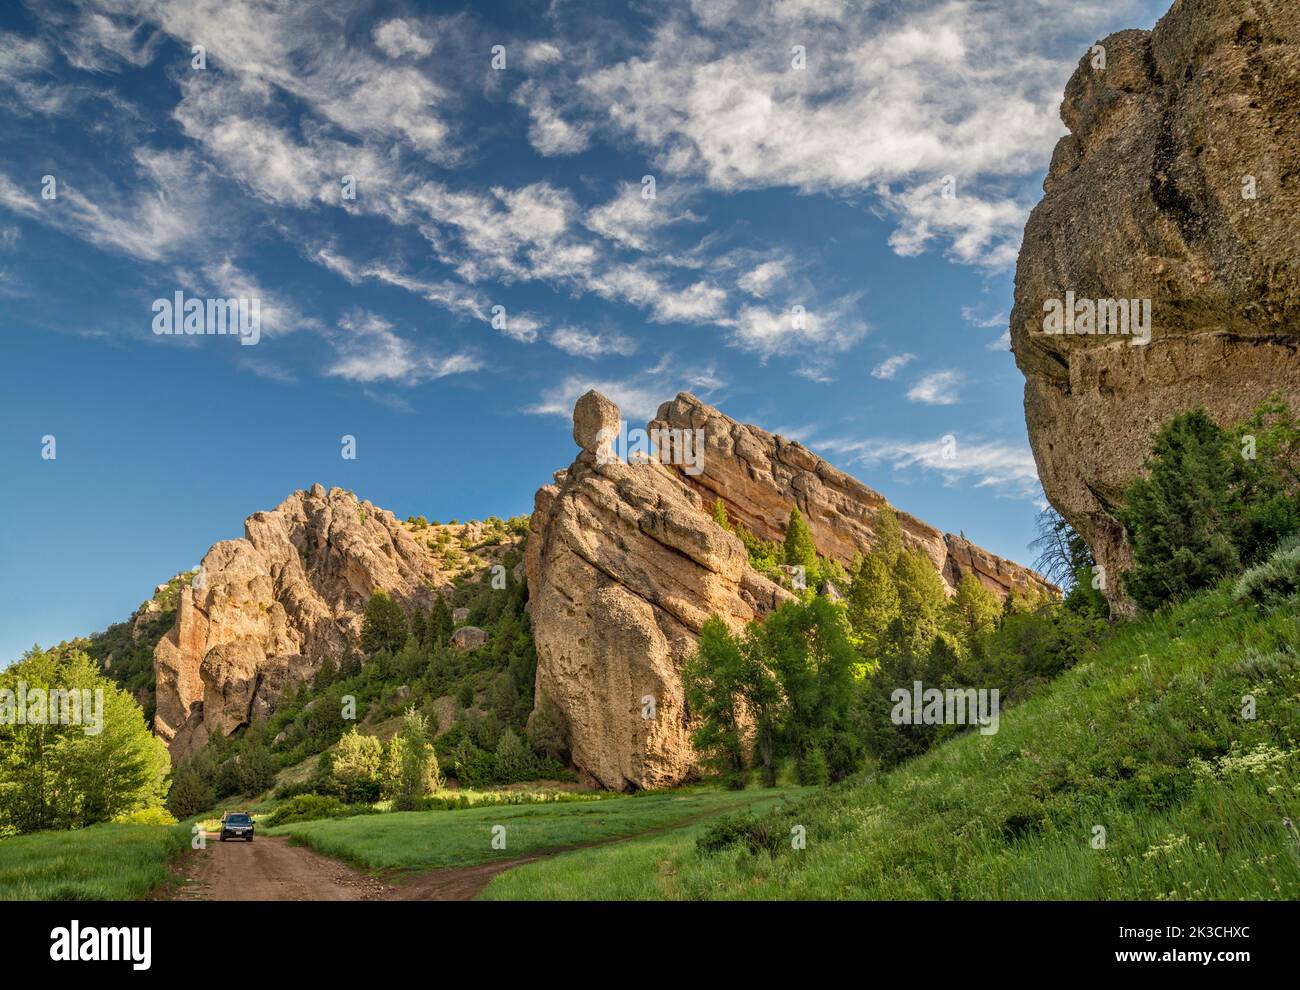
(775, 186)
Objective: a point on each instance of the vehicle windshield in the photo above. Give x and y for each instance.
(237, 820)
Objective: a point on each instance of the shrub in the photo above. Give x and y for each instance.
(755, 834)
(356, 764)
(1275, 580)
(146, 816)
(306, 808)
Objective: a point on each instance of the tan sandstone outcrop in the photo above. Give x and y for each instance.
(263, 612)
(759, 476)
(1149, 197)
(624, 566)
(625, 563)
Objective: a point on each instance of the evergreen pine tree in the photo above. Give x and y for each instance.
(800, 550)
(1178, 517)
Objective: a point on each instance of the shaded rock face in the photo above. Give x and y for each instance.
(263, 612)
(759, 475)
(624, 566)
(1150, 197)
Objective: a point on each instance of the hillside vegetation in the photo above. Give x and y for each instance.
(1146, 739)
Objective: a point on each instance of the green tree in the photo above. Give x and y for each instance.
(416, 768)
(714, 679)
(720, 515)
(889, 535)
(1178, 518)
(806, 645)
(327, 675)
(189, 795)
(921, 599)
(1265, 500)
(57, 772)
(357, 762)
(972, 611)
(872, 602)
(384, 628)
(255, 768)
(514, 762)
(439, 626)
(548, 731)
(799, 550)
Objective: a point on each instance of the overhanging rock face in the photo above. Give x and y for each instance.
(625, 564)
(1178, 186)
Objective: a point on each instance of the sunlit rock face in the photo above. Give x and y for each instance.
(1178, 184)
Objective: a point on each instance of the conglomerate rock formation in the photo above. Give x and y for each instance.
(1179, 183)
(625, 563)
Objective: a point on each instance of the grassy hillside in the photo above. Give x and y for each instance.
(1145, 739)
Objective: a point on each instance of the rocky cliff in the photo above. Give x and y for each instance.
(625, 563)
(624, 566)
(759, 476)
(1178, 183)
(263, 612)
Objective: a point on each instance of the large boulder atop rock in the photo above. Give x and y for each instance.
(595, 421)
(760, 475)
(263, 612)
(624, 566)
(1179, 182)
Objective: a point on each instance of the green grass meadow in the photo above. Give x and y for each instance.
(421, 840)
(99, 863)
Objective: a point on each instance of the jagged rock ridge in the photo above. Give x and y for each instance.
(263, 612)
(625, 563)
(624, 566)
(759, 475)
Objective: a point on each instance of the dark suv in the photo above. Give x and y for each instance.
(237, 825)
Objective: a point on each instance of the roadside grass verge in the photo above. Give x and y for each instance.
(99, 863)
(422, 840)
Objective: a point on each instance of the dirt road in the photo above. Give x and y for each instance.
(270, 869)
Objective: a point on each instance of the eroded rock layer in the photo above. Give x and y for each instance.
(624, 566)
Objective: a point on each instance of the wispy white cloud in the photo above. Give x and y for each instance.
(583, 343)
(639, 396)
(938, 388)
(1006, 467)
(890, 367)
(369, 351)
